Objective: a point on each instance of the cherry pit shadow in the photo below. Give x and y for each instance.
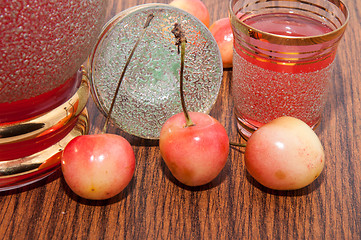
(214, 183)
(118, 198)
(289, 193)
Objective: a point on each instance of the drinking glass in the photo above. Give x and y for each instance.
(43, 89)
(283, 57)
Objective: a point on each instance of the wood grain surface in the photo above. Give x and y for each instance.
(234, 206)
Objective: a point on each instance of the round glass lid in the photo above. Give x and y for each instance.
(149, 93)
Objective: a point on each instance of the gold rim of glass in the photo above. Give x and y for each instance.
(292, 40)
(35, 166)
(44, 123)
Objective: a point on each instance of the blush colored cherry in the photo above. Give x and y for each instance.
(194, 7)
(284, 154)
(222, 33)
(196, 154)
(98, 166)
(193, 145)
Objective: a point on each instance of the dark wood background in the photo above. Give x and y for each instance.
(234, 206)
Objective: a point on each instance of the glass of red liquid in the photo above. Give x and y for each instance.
(43, 88)
(282, 59)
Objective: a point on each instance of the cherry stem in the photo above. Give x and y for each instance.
(149, 19)
(181, 41)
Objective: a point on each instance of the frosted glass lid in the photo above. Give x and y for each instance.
(149, 93)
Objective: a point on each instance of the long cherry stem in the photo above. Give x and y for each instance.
(181, 41)
(149, 19)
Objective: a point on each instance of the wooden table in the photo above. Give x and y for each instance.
(234, 206)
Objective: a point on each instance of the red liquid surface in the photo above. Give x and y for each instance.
(288, 25)
(28, 108)
(266, 87)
